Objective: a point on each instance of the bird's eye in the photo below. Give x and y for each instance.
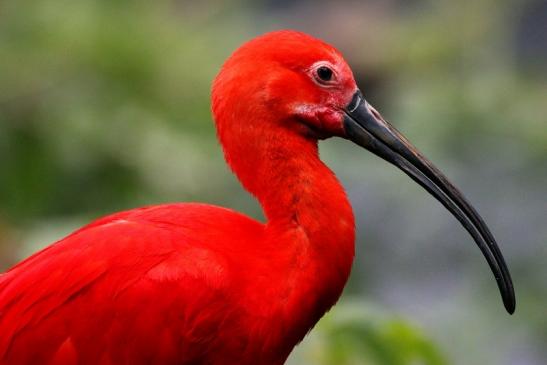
(324, 74)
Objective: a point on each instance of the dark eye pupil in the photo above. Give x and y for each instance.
(324, 73)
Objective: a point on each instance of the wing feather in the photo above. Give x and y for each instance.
(140, 273)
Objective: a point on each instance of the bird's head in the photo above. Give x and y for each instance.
(285, 86)
(302, 82)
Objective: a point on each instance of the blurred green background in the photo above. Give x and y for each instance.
(104, 106)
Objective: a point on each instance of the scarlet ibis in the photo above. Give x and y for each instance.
(199, 284)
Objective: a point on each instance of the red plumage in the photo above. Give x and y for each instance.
(194, 284)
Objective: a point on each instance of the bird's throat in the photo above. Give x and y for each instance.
(305, 256)
(310, 221)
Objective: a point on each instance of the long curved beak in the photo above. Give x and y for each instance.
(366, 127)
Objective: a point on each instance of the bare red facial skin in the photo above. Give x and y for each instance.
(321, 122)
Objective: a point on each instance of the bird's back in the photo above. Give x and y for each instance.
(145, 286)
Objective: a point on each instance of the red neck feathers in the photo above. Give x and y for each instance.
(275, 156)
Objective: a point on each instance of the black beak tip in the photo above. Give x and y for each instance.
(509, 301)
(364, 126)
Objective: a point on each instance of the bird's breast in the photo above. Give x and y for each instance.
(294, 282)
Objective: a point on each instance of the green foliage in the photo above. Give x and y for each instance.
(88, 89)
(355, 334)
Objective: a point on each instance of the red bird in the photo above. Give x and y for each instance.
(195, 284)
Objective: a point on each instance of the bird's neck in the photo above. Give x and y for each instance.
(294, 187)
(307, 209)
(298, 191)
(308, 244)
